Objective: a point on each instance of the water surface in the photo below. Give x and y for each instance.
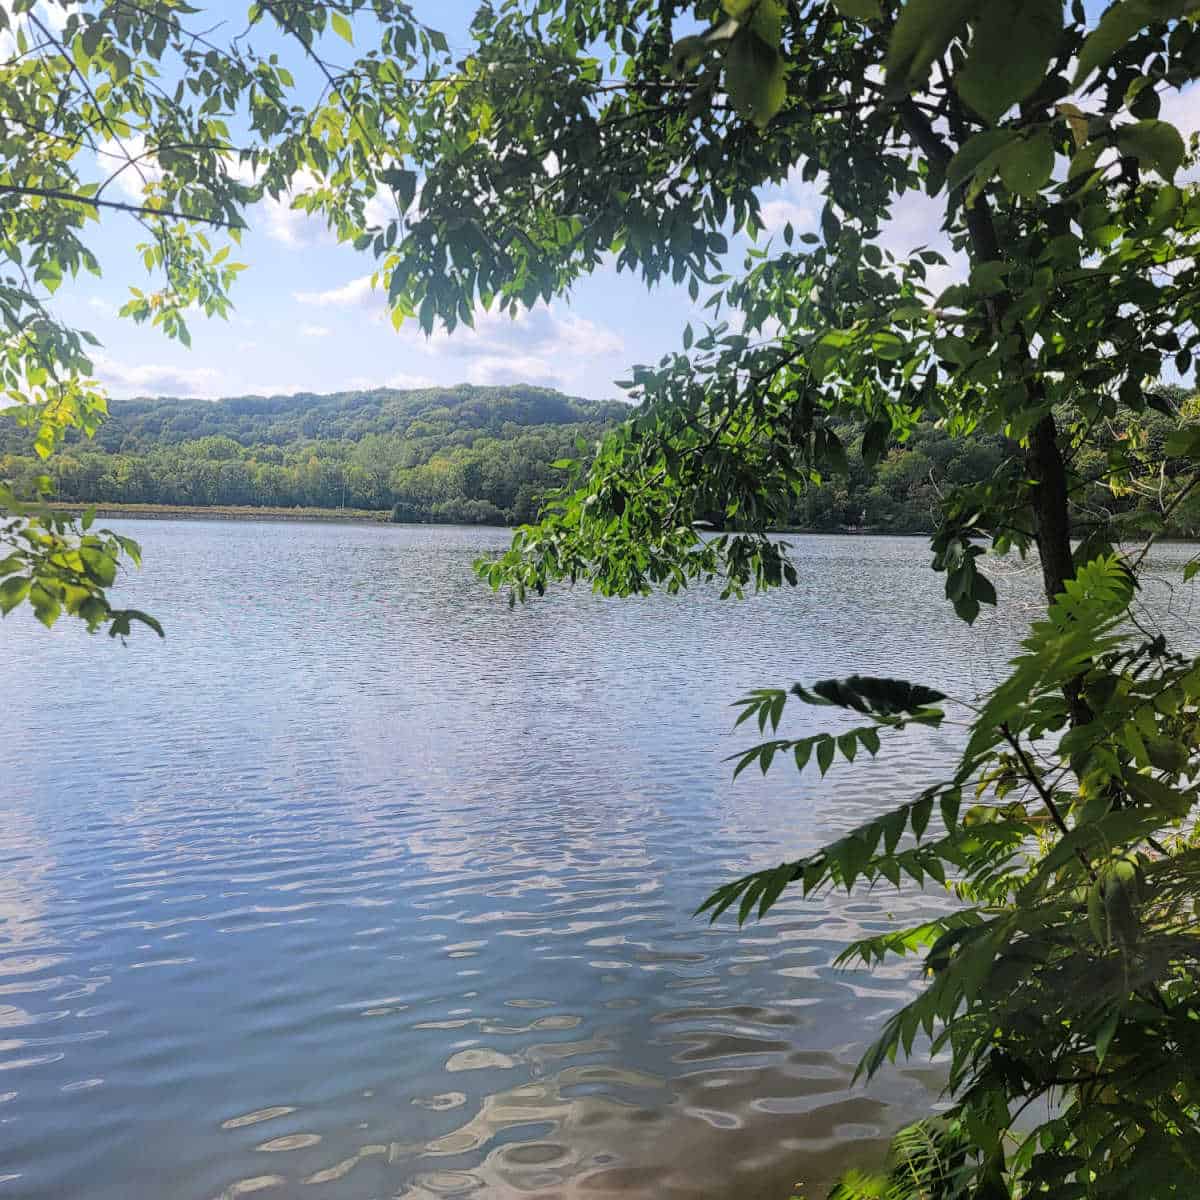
(363, 885)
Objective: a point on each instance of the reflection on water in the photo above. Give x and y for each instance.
(362, 885)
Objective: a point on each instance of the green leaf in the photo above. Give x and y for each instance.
(1105, 1034)
(825, 751)
(1119, 23)
(1155, 144)
(749, 897)
(12, 592)
(779, 879)
(949, 802)
(870, 694)
(1167, 754)
(1002, 70)
(852, 855)
(341, 26)
(1025, 165)
(978, 152)
(1158, 795)
(1184, 443)
(875, 441)
(893, 824)
(848, 745)
(922, 32)
(403, 183)
(755, 77)
(803, 752)
(922, 809)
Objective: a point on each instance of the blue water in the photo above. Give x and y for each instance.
(361, 884)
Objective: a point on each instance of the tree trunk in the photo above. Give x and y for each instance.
(1052, 522)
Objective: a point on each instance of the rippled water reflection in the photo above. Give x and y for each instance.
(362, 885)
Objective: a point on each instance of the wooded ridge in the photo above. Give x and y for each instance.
(485, 455)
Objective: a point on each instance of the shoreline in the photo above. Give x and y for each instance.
(359, 516)
(229, 512)
(383, 516)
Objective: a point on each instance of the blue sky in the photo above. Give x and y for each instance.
(306, 319)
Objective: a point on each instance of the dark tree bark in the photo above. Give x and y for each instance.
(1053, 523)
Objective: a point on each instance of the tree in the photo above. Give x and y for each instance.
(206, 129)
(1071, 969)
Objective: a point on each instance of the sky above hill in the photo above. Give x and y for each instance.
(306, 318)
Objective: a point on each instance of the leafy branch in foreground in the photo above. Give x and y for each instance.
(194, 132)
(1072, 969)
(1063, 285)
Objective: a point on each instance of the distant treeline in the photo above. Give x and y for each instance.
(483, 455)
(467, 454)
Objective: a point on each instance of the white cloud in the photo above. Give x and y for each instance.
(536, 346)
(403, 380)
(275, 389)
(778, 213)
(796, 202)
(535, 330)
(517, 368)
(151, 379)
(1182, 109)
(380, 209)
(315, 331)
(125, 162)
(358, 293)
(916, 222)
(400, 380)
(293, 226)
(53, 15)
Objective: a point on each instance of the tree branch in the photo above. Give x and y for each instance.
(143, 210)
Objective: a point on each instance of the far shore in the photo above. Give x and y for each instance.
(229, 512)
(368, 516)
(383, 516)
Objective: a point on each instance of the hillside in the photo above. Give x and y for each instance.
(443, 454)
(483, 455)
(453, 415)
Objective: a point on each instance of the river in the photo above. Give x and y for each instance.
(361, 884)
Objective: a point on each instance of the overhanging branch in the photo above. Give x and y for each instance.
(141, 210)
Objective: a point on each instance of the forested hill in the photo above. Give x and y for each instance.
(477, 454)
(455, 416)
(484, 455)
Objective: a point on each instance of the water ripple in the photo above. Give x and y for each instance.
(361, 884)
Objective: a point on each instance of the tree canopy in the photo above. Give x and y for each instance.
(488, 456)
(641, 135)
(99, 92)
(467, 454)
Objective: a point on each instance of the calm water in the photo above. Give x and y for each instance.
(362, 885)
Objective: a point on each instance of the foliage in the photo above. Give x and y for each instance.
(1071, 970)
(487, 455)
(481, 455)
(1068, 971)
(107, 91)
(57, 570)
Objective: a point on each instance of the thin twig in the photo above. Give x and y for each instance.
(143, 210)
